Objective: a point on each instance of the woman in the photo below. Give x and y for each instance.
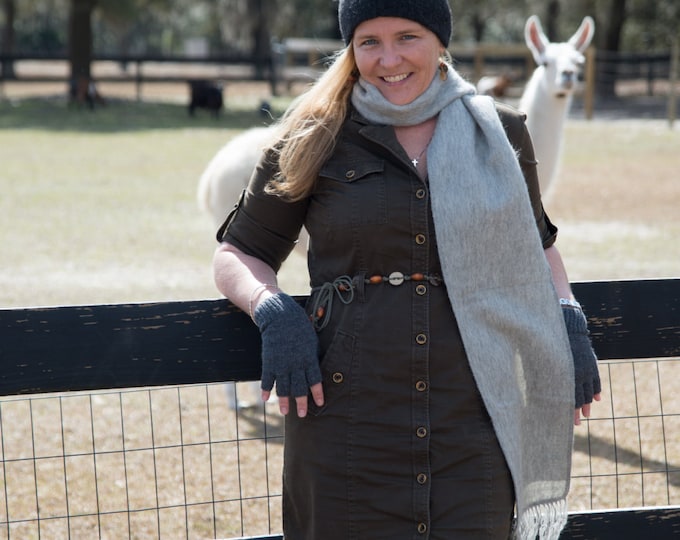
(434, 387)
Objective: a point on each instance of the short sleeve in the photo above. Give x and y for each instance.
(515, 127)
(263, 225)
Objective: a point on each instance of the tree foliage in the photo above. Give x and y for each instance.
(162, 26)
(84, 27)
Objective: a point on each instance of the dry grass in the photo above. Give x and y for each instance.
(98, 216)
(615, 200)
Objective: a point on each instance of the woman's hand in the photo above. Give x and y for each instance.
(301, 402)
(587, 386)
(585, 410)
(289, 353)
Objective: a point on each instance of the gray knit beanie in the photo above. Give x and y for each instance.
(435, 15)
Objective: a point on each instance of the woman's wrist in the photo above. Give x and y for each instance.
(261, 293)
(570, 302)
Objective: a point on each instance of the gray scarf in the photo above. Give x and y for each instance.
(500, 288)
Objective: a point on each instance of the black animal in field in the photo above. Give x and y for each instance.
(206, 95)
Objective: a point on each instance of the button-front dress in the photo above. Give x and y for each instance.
(403, 447)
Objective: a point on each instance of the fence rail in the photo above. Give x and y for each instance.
(298, 59)
(115, 422)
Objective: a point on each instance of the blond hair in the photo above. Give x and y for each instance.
(309, 128)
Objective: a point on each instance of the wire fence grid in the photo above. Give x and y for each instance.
(176, 462)
(184, 462)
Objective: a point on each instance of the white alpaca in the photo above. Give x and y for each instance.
(229, 171)
(548, 94)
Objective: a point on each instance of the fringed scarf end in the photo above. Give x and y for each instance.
(544, 520)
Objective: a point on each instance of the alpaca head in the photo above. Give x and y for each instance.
(562, 62)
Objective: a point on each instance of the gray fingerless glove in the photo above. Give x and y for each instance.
(586, 373)
(289, 346)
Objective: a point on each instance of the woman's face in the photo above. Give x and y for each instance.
(398, 56)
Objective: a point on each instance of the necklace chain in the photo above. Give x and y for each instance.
(416, 159)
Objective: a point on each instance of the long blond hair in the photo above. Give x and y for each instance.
(309, 128)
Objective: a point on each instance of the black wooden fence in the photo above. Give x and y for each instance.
(302, 59)
(115, 422)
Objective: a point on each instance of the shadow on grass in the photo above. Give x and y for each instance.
(599, 447)
(119, 115)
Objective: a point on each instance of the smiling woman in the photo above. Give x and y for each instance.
(399, 59)
(432, 405)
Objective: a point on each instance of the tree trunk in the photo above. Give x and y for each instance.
(606, 70)
(478, 26)
(553, 13)
(80, 38)
(7, 48)
(259, 10)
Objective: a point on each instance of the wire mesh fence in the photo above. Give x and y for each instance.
(628, 453)
(184, 462)
(172, 463)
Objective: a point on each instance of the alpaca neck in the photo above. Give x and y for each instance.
(546, 116)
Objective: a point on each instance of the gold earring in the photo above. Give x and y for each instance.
(443, 71)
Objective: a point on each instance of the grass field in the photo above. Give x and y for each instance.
(100, 207)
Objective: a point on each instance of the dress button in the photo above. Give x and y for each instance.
(421, 479)
(338, 377)
(422, 528)
(350, 174)
(421, 339)
(421, 432)
(421, 386)
(420, 193)
(420, 239)
(421, 289)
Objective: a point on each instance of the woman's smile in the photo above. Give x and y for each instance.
(396, 78)
(398, 56)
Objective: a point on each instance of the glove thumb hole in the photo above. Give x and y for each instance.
(597, 386)
(579, 398)
(267, 382)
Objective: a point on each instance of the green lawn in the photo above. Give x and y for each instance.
(100, 206)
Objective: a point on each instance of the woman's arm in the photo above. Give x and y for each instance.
(559, 273)
(287, 335)
(563, 288)
(244, 279)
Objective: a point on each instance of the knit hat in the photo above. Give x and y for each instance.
(435, 15)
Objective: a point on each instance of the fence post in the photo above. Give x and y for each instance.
(478, 69)
(673, 80)
(138, 79)
(589, 94)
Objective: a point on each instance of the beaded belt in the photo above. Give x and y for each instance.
(344, 287)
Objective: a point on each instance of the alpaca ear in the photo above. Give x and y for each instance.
(535, 38)
(584, 35)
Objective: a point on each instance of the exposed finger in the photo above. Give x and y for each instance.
(317, 394)
(301, 403)
(586, 410)
(284, 405)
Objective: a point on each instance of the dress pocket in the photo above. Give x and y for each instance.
(336, 368)
(352, 193)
